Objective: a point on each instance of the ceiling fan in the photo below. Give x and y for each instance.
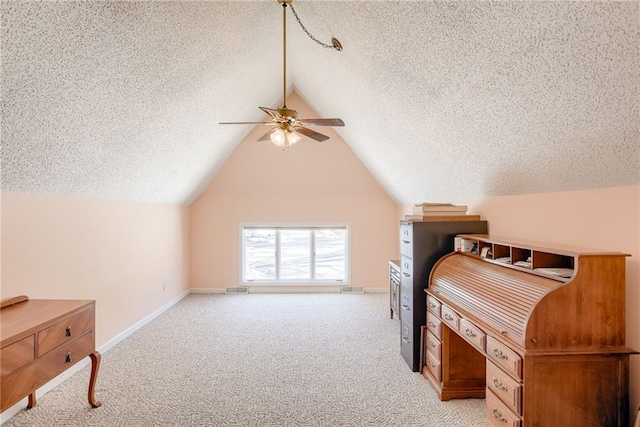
(286, 126)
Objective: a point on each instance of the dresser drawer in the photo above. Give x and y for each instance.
(433, 305)
(498, 415)
(16, 355)
(65, 330)
(406, 240)
(472, 333)
(406, 266)
(434, 325)
(504, 387)
(19, 383)
(503, 356)
(450, 317)
(434, 346)
(434, 367)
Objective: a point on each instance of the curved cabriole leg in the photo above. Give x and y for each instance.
(32, 400)
(95, 365)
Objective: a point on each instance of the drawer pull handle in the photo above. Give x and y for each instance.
(448, 317)
(68, 331)
(406, 242)
(432, 344)
(405, 340)
(498, 384)
(405, 307)
(433, 325)
(406, 274)
(432, 305)
(68, 358)
(500, 355)
(498, 416)
(470, 333)
(433, 365)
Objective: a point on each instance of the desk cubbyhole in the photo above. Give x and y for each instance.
(521, 257)
(549, 260)
(485, 249)
(502, 253)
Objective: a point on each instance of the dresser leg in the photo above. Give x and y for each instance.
(95, 365)
(32, 400)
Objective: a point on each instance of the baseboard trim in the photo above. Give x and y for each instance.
(207, 290)
(130, 330)
(289, 289)
(44, 389)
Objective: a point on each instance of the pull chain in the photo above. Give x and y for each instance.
(335, 44)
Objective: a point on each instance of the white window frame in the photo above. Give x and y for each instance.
(277, 281)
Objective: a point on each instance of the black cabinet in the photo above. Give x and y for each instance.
(422, 243)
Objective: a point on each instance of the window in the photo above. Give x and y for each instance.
(294, 254)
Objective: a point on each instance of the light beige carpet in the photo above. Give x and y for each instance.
(258, 360)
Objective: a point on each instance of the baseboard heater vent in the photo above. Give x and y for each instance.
(352, 290)
(242, 290)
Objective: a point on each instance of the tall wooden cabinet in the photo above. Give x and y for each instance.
(422, 243)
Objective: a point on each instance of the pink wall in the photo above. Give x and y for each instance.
(117, 253)
(310, 182)
(603, 219)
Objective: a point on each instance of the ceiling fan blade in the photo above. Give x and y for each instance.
(246, 123)
(312, 134)
(321, 122)
(275, 115)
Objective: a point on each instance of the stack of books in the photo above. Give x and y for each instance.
(440, 212)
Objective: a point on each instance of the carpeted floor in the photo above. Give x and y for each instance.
(258, 360)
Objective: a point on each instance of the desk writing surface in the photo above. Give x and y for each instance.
(19, 320)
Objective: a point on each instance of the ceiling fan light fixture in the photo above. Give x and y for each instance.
(284, 138)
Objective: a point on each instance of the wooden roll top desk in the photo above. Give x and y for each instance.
(538, 331)
(40, 339)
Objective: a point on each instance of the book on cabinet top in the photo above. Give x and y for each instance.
(438, 208)
(442, 218)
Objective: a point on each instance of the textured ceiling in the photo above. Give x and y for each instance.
(442, 100)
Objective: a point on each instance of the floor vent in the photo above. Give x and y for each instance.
(352, 290)
(242, 290)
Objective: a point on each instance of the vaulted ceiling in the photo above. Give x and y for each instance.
(442, 100)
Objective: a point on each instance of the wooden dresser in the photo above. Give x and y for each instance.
(40, 339)
(539, 331)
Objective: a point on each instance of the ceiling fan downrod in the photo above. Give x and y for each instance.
(284, 4)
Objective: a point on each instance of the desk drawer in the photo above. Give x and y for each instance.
(450, 317)
(503, 356)
(17, 355)
(65, 330)
(434, 346)
(434, 325)
(434, 367)
(498, 415)
(433, 305)
(504, 387)
(21, 382)
(472, 333)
